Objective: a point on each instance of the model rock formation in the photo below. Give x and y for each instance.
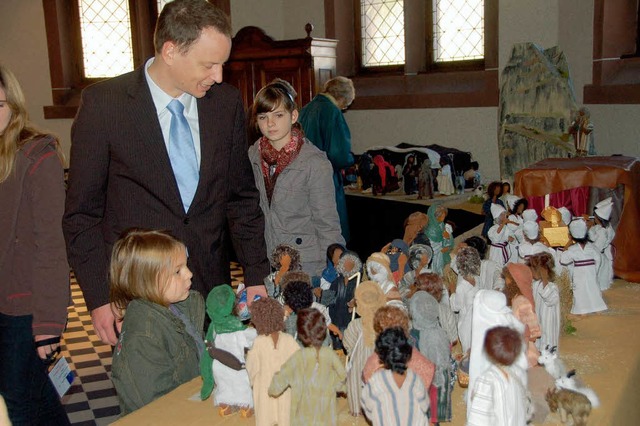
(536, 100)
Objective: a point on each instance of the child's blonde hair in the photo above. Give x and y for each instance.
(140, 267)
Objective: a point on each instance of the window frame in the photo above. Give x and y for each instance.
(62, 26)
(416, 85)
(616, 64)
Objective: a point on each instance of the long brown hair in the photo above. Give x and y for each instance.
(19, 130)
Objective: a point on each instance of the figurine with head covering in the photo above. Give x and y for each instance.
(226, 332)
(440, 240)
(409, 174)
(532, 243)
(519, 292)
(329, 273)
(602, 235)
(531, 231)
(500, 236)
(359, 338)
(603, 209)
(413, 226)
(425, 180)
(583, 260)
(530, 215)
(490, 310)
(384, 177)
(433, 343)
(419, 259)
(565, 214)
(339, 297)
(378, 270)
(516, 206)
(398, 252)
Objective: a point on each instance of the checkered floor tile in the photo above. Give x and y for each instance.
(92, 399)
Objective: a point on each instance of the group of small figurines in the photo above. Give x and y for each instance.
(417, 176)
(501, 298)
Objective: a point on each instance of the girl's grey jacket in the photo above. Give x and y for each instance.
(303, 211)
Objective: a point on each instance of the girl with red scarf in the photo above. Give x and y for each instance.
(294, 179)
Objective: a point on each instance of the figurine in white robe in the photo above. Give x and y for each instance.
(461, 299)
(583, 260)
(546, 296)
(531, 244)
(499, 395)
(499, 236)
(602, 235)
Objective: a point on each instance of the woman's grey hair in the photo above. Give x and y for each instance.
(341, 88)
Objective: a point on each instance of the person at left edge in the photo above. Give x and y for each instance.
(123, 174)
(34, 274)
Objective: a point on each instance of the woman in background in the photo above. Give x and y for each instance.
(327, 129)
(34, 272)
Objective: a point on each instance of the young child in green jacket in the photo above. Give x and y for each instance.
(161, 338)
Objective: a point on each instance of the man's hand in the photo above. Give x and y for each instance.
(103, 323)
(254, 290)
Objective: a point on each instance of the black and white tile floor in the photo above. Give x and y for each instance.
(92, 399)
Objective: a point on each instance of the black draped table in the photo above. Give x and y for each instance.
(376, 221)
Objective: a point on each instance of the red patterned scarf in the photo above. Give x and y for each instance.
(274, 161)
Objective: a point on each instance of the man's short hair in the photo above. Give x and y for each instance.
(182, 22)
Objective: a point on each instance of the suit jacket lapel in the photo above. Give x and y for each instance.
(153, 148)
(206, 121)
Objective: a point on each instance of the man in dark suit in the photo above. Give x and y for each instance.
(125, 173)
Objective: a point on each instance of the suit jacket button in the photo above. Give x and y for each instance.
(186, 220)
(298, 241)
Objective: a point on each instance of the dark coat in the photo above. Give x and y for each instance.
(121, 177)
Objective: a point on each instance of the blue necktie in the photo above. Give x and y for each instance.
(182, 154)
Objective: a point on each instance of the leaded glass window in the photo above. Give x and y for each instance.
(382, 32)
(458, 30)
(105, 29)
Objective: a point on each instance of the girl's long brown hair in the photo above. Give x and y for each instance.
(19, 130)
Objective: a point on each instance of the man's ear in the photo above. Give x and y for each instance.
(169, 51)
